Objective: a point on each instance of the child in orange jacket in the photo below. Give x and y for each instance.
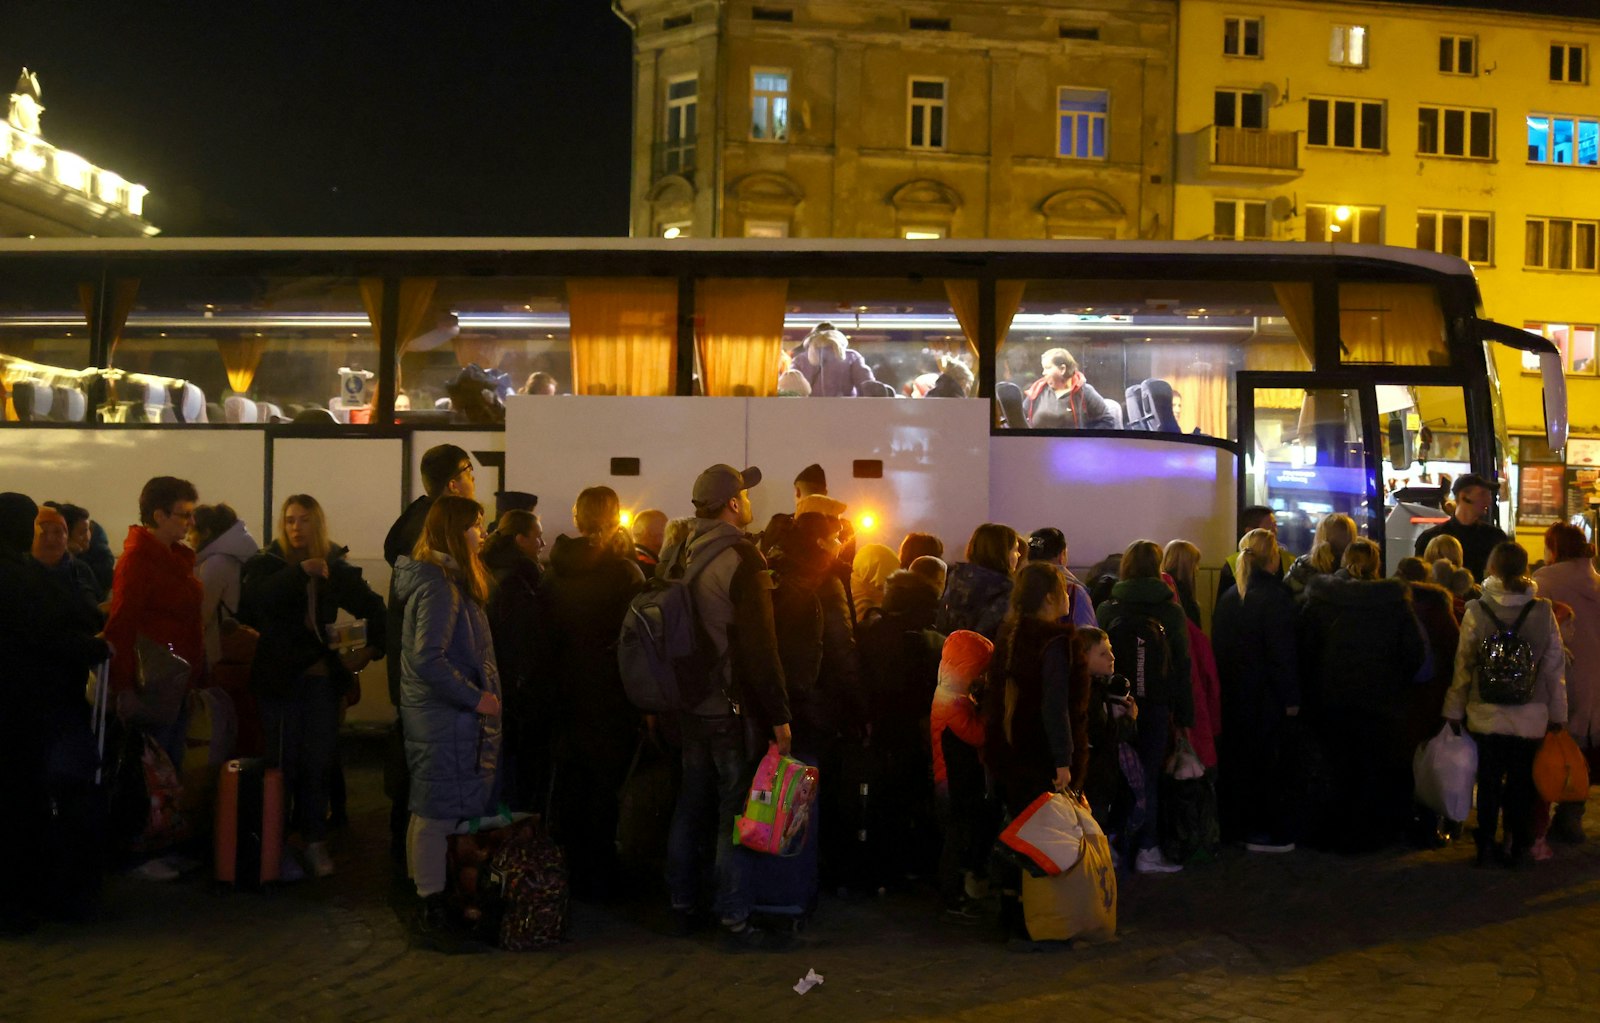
(957, 733)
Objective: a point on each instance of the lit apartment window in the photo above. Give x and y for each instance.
(1556, 244)
(1240, 108)
(1570, 141)
(1081, 123)
(1568, 63)
(1330, 223)
(1575, 340)
(923, 233)
(1458, 55)
(1453, 131)
(926, 116)
(1455, 234)
(1241, 37)
(1347, 46)
(766, 229)
(1345, 124)
(680, 130)
(1238, 219)
(769, 104)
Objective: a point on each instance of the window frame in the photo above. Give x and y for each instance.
(686, 108)
(1567, 50)
(766, 227)
(1441, 132)
(766, 98)
(1078, 116)
(1574, 228)
(1530, 361)
(1467, 218)
(1238, 95)
(1358, 216)
(1578, 123)
(1330, 124)
(1342, 32)
(917, 107)
(1241, 219)
(1242, 21)
(1455, 40)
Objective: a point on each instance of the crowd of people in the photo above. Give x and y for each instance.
(954, 690)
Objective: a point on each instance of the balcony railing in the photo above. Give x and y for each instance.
(1255, 147)
(675, 156)
(34, 156)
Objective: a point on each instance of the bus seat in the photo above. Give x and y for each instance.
(1150, 407)
(1009, 395)
(186, 403)
(31, 400)
(267, 412)
(71, 404)
(875, 389)
(239, 409)
(215, 413)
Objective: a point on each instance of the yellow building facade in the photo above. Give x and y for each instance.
(1470, 132)
(868, 118)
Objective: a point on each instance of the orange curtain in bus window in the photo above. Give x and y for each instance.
(624, 333)
(123, 293)
(241, 356)
(963, 296)
(1199, 374)
(1288, 353)
(1393, 324)
(739, 334)
(411, 321)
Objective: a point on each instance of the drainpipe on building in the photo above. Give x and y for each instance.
(616, 8)
(719, 119)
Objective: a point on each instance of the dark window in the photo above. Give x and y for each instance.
(1372, 126)
(1481, 137)
(772, 14)
(1079, 32)
(931, 24)
(1344, 125)
(676, 21)
(1317, 123)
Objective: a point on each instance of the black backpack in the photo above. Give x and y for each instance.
(1144, 654)
(663, 653)
(1507, 667)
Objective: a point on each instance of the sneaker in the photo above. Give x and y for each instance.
(975, 887)
(318, 859)
(289, 869)
(1267, 845)
(750, 938)
(154, 870)
(1541, 851)
(1150, 861)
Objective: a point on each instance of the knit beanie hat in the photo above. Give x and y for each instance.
(17, 512)
(965, 657)
(823, 505)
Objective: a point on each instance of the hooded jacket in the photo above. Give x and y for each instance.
(1576, 584)
(1050, 717)
(517, 623)
(975, 598)
(447, 664)
(830, 365)
(276, 601)
(816, 641)
(900, 651)
(869, 574)
(220, 568)
(1080, 408)
(585, 594)
(1254, 638)
(1549, 702)
(400, 542)
(1362, 645)
(1151, 596)
(1434, 608)
(155, 594)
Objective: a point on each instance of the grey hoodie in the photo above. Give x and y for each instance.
(220, 567)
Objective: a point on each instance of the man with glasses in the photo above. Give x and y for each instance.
(155, 594)
(1471, 524)
(446, 469)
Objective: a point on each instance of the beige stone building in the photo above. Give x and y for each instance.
(880, 119)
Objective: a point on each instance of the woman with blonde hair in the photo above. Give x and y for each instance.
(1181, 561)
(291, 593)
(1334, 535)
(1253, 632)
(869, 575)
(449, 698)
(1444, 548)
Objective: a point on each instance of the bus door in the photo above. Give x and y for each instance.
(1310, 446)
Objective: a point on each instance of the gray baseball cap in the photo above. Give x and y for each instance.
(721, 483)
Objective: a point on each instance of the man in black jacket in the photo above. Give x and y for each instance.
(446, 469)
(744, 697)
(1471, 524)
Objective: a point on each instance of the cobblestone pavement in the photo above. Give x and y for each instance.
(1306, 936)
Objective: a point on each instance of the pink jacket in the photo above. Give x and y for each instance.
(1207, 697)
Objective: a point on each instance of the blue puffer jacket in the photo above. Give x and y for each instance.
(446, 665)
(975, 598)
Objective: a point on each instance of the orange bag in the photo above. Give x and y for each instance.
(1560, 772)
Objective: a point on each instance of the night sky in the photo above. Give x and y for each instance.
(342, 118)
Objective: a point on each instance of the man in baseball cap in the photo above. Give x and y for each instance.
(1472, 523)
(719, 485)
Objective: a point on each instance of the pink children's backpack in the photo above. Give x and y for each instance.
(778, 809)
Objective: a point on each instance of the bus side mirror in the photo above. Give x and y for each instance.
(1555, 400)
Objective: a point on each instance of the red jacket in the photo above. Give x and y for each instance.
(960, 715)
(155, 594)
(1207, 697)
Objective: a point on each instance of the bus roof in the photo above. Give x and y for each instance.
(1288, 251)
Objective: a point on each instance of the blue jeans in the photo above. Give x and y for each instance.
(302, 733)
(717, 768)
(1155, 722)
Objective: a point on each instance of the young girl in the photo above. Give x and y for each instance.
(1115, 786)
(449, 696)
(1508, 734)
(957, 734)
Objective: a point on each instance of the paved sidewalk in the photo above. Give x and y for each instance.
(1298, 937)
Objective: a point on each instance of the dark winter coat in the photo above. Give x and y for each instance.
(400, 542)
(275, 600)
(515, 620)
(49, 637)
(100, 558)
(900, 651)
(816, 643)
(1050, 719)
(1434, 609)
(975, 598)
(1254, 638)
(447, 664)
(586, 593)
(1152, 597)
(1361, 645)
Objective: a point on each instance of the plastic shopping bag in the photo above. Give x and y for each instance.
(1048, 837)
(1444, 769)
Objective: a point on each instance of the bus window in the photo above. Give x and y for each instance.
(1424, 436)
(44, 348)
(913, 337)
(242, 350)
(1309, 461)
(1391, 324)
(1134, 342)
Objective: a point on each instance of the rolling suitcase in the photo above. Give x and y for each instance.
(784, 888)
(249, 823)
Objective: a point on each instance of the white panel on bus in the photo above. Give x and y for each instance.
(1106, 492)
(104, 470)
(934, 456)
(557, 446)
